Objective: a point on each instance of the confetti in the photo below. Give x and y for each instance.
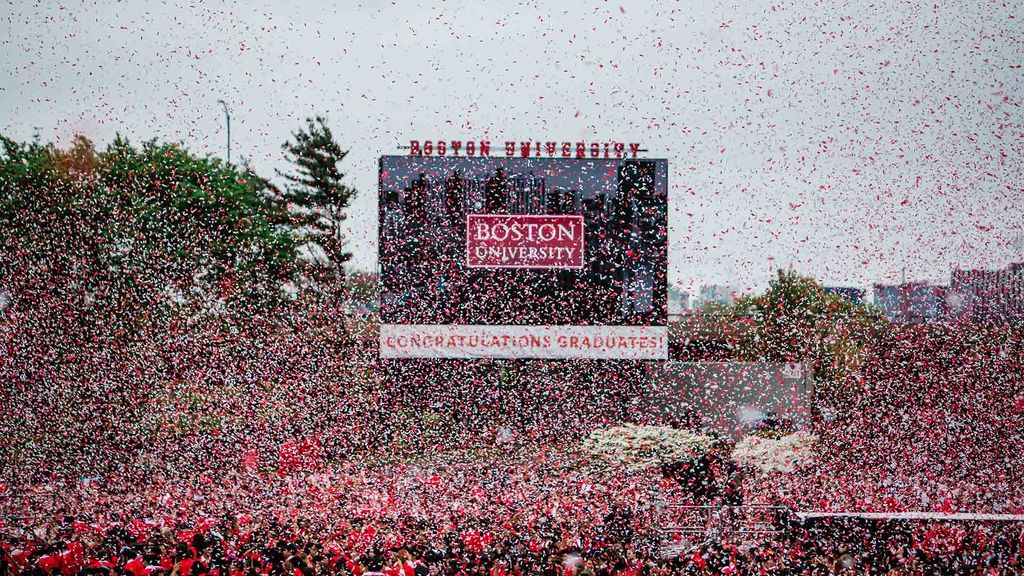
(408, 288)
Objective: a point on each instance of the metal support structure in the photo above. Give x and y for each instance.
(683, 526)
(227, 118)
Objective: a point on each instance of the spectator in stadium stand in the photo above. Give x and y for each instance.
(948, 459)
(732, 491)
(772, 425)
(374, 566)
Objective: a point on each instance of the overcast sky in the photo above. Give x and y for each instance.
(853, 141)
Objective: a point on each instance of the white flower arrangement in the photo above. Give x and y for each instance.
(638, 447)
(783, 454)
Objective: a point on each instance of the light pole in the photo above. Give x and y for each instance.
(227, 118)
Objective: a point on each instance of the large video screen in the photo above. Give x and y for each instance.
(523, 257)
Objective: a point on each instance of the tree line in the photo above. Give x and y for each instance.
(131, 233)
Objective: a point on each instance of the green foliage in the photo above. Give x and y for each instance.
(317, 196)
(719, 310)
(363, 290)
(796, 320)
(137, 231)
(196, 225)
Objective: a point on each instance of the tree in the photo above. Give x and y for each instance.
(795, 320)
(318, 199)
(110, 262)
(133, 233)
(207, 228)
(363, 290)
(52, 213)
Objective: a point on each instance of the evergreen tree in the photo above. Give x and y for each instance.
(317, 198)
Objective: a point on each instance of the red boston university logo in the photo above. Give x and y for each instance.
(524, 241)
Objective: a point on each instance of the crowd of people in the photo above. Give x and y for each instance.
(260, 453)
(440, 520)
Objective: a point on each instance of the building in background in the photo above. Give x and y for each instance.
(715, 294)
(912, 301)
(678, 300)
(988, 296)
(855, 295)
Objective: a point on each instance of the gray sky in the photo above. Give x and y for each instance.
(849, 140)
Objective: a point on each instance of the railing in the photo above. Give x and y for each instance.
(682, 526)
